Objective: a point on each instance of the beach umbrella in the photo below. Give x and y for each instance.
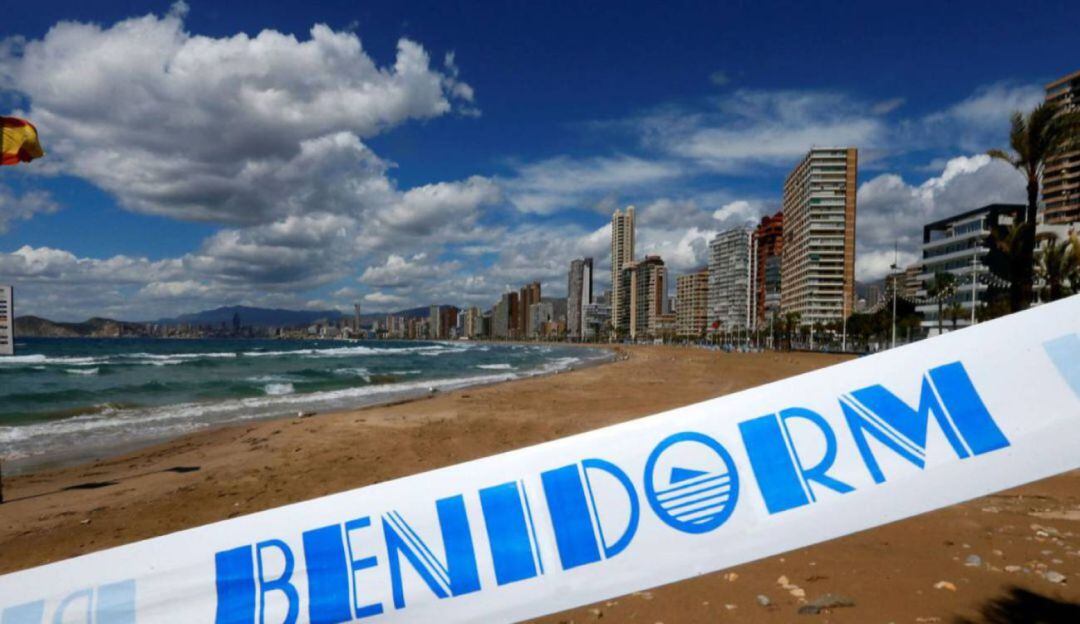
(18, 141)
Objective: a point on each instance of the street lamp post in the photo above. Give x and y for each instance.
(974, 281)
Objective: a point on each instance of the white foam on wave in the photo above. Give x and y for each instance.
(82, 371)
(116, 427)
(495, 366)
(278, 389)
(176, 356)
(38, 358)
(170, 359)
(357, 350)
(167, 359)
(271, 379)
(158, 359)
(363, 373)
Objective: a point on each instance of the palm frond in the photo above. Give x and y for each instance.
(1003, 155)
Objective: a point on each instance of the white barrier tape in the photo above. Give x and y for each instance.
(618, 509)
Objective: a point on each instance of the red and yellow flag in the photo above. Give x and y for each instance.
(18, 141)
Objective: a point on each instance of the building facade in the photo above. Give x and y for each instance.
(7, 321)
(541, 316)
(472, 325)
(642, 296)
(530, 294)
(622, 253)
(818, 268)
(504, 317)
(692, 307)
(578, 295)
(595, 321)
(909, 285)
(448, 322)
(730, 268)
(434, 322)
(961, 245)
(768, 244)
(1061, 178)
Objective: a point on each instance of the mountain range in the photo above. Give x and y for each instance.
(36, 326)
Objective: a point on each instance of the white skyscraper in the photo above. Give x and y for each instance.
(818, 267)
(729, 280)
(7, 321)
(578, 295)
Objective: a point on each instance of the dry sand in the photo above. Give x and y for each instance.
(972, 552)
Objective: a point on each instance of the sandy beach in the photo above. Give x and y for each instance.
(932, 568)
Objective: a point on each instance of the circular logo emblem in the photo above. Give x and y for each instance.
(691, 482)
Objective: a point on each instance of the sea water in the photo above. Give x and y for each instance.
(81, 398)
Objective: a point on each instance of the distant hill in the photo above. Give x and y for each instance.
(255, 317)
(421, 312)
(35, 326)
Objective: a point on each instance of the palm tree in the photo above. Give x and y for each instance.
(1074, 246)
(940, 288)
(1058, 267)
(1046, 132)
(1009, 240)
(794, 322)
(955, 312)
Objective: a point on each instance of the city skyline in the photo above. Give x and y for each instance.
(373, 208)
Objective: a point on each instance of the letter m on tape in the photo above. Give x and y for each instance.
(946, 393)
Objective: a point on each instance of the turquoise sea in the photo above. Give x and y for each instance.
(81, 398)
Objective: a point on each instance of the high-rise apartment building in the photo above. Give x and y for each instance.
(768, 243)
(504, 316)
(641, 295)
(622, 253)
(692, 304)
(541, 316)
(1061, 179)
(7, 321)
(448, 320)
(962, 245)
(434, 322)
(595, 319)
(472, 325)
(908, 287)
(730, 267)
(529, 295)
(578, 295)
(818, 268)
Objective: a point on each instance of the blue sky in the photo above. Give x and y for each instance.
(403, 153)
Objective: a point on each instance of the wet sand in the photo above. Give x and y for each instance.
(972, 552)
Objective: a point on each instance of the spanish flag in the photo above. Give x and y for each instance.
(18, 142)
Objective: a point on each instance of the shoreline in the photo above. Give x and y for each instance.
(73, 458)
(889, 572)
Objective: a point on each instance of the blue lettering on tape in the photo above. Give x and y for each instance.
(570, 517)
(113, 603)
(457, 576)
(690, 481)
(1064, 352)
(282, 583)
(610, 550)
(947, 393)
(692, 504)
(328, 578)
(783, 480)
(235, 581)
(514, 552)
